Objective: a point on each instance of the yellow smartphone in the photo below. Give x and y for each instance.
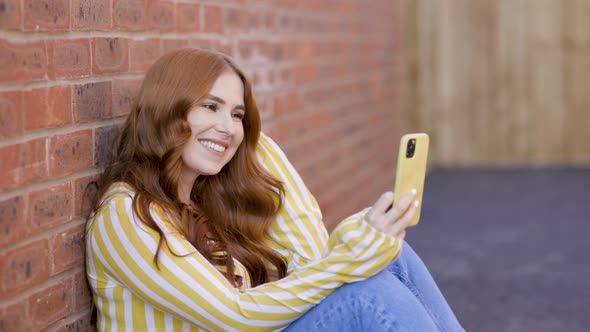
(411, 168)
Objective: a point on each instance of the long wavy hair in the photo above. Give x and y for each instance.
(230, 213)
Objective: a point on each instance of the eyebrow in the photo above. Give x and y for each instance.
(221, 101)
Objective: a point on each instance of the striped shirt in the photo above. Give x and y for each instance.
(190, 294)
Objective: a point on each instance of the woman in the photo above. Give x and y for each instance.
(203, 224)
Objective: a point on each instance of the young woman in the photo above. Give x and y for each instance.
(202, 223)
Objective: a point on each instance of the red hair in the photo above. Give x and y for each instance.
(234, 207)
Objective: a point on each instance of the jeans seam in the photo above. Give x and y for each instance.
(406, 281)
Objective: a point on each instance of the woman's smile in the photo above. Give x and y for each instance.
(214, 147)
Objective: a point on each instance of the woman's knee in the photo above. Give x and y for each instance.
(371, 303)
(352, 307)
(382, 292)
(384, 303)
(407, 257)
(379, 303)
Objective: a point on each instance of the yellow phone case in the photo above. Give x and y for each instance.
(411, 168)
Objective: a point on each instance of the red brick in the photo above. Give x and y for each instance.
(70, 153)
(84, 195)
(221, 45)
(48, 107)
(169, 45)
(11, 115)
(287, 103)
(91, 15)
(92, 101)
(240, 20)
(277, 52)
(160, 15)
(201, 43)
(212, 18)
(109, 55)
(261, 48)
(24, 266)
(23, 163)
(124, 96)
(245, 49)
(129, 14)
(104, 141)
(307, 73)
(302, 49)
(51, 304)
(252, 20)
(14, 317)
(47, 15)
(12, 220)
(143, 53)
(187, 17)
(288, 3)
(10, 15)
(67, 249)
(22, 61)
(68, 58)
(234, 20)
(268, 20)
(82, 294)
(281, 76)
(50, 207)
(285, 22)
(83, 324)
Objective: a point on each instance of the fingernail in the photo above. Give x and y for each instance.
(389, 195)
(416, 203)
(414, 191)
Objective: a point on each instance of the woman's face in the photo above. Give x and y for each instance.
(217, 127)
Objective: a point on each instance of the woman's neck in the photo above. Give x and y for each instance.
(184, 193)
(185, 185)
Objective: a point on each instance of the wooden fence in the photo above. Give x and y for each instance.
(497, 82)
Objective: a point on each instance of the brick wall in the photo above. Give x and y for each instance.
(324, 76)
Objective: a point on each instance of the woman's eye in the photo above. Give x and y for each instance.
(239, 116)
(211, 107)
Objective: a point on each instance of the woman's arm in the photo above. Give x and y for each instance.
(299, 233)
(192, 289)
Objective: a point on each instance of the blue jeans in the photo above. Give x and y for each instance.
(403, 297)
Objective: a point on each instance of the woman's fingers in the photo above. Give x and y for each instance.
(375, 215)
(392, 219)
(404, 220)
(399, 208)
(401, 235)
(383, 203)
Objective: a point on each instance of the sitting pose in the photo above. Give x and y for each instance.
(201, 223)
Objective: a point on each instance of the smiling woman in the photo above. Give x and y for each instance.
(201, 223)
(216, 131)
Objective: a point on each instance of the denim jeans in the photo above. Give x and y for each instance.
(403, 297)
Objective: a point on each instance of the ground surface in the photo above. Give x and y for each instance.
(510, 249)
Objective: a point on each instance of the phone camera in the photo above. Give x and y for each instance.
(411, 148)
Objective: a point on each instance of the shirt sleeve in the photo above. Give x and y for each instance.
(187, 286)
(298, 233)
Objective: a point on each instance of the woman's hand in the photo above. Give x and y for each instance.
(393, 218)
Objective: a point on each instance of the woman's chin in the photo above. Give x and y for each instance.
(211, 171)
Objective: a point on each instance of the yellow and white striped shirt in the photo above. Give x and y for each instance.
(190, 294)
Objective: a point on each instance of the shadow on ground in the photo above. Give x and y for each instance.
(510, 249)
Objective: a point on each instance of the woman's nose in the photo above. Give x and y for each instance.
(225, 123)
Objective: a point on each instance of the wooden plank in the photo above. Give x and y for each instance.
(545, 80)
(502, 82)
(482, 22)
(576, 79)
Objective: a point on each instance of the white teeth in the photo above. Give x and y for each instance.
(213, 146)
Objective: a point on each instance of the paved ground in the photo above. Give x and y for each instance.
(510, 249)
